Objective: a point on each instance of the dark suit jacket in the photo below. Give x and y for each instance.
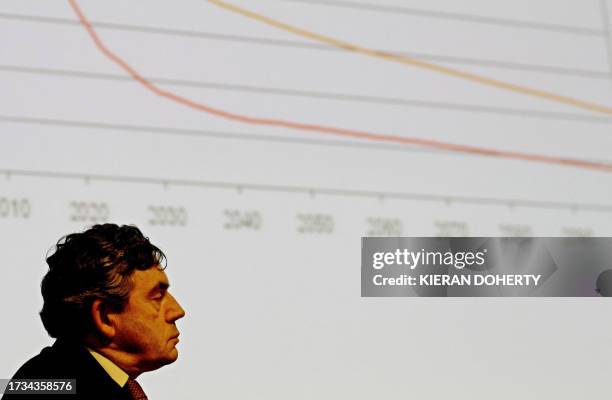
(70, 361)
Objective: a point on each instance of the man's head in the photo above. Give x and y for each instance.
(107, 287)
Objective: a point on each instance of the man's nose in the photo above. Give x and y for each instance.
(174, 311)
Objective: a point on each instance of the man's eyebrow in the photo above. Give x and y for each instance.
(161, 286)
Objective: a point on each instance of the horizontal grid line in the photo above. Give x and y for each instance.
(221, 134)
(310, 190)
(235, 136)
(586, 73)
(320, 95)
(512, 23)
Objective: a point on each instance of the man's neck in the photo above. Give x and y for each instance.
(129, 363)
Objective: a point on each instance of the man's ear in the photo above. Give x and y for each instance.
(100, 317)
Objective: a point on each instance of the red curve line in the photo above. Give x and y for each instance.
(458, 148)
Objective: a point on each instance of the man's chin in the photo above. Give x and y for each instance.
(172, 356)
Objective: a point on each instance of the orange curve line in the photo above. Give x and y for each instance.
(401, 59)
(458, 148)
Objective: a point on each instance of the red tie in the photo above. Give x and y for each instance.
(135, 390)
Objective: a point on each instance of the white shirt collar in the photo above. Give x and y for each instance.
(111, 368)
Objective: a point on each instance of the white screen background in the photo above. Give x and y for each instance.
(262, 224)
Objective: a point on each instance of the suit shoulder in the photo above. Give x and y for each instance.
(68, 360)
(36, 366)
(49, 363)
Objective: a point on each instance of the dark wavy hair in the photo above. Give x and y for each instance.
(95, 264)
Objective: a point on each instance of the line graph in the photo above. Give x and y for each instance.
(349, 97)
(456, 73)
(322, 129)
(237, 38)
(219, 134)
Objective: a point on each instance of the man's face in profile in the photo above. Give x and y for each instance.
(146, 328)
